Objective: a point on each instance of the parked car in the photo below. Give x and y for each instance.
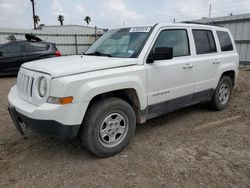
(13, 54)
(130, 75)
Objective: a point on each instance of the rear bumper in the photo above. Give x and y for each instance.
(45, 127)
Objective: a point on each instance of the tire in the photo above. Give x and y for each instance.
(108, 126)
(221, 99)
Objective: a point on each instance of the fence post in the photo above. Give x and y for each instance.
(95, 33)
(76, 45)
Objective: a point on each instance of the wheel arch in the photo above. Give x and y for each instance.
(231, 74)
(129, 95)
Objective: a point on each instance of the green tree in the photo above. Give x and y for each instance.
(61, 19)
(36, 19)
(87, 19)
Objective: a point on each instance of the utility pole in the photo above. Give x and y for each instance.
(210, 11)
(33, 10)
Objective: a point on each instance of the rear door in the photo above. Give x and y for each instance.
(228, 53)
(207, 60)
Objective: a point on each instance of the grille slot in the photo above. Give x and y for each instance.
(31, 86)
(25, 85)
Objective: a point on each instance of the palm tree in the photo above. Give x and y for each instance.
(87, 19)
(36, 19)
(60, 19)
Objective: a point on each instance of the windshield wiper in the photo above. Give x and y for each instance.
(99, 54)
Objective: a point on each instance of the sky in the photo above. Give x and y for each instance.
(114, 13)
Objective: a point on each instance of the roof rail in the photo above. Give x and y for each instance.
(193, 22)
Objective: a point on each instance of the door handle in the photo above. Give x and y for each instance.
(216, 62)
(188, 66)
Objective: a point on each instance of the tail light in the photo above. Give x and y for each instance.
(58, 53)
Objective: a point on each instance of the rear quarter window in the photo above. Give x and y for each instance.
(204, 41)
(37, 47)
(225, 41)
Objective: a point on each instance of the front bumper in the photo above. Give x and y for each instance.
(46, 127)
(61, 121)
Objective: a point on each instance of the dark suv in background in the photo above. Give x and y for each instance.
(14, 54)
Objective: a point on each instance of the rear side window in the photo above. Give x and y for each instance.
(204, 41)
(176, 39)
(37, 47)
(225, 41)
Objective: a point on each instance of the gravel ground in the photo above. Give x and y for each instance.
(194, 147)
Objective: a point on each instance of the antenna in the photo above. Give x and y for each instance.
(210, 11)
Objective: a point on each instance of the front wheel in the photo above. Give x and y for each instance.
(108, 126)
(222, 94)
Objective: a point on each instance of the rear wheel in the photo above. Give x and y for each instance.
(108, 126)
(222, 94)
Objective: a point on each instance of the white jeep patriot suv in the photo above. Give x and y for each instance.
(128, 76)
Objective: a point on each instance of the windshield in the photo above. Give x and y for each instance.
(123, 43)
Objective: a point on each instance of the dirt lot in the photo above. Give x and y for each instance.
(195, 147)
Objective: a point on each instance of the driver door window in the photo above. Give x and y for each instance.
(176, 39)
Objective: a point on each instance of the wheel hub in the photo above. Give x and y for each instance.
(113, 129)
(224, 93)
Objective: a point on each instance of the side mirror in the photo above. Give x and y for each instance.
(160, 53)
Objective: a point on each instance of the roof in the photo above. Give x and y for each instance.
(188, 25)
(19, 41)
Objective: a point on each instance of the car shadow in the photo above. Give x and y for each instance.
(8, 76)
(74, 148)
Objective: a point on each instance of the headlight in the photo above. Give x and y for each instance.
(42, 87)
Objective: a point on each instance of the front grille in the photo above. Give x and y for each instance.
(25, 84)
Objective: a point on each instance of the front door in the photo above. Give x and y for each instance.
(171, 82)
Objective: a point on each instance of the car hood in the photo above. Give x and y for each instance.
(68, 65)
